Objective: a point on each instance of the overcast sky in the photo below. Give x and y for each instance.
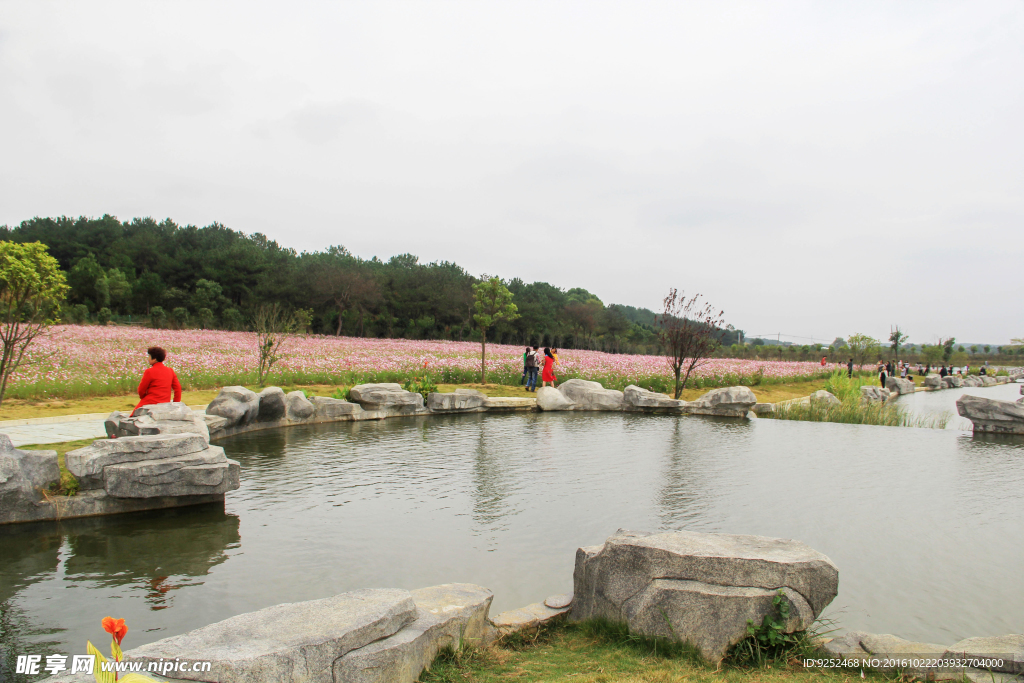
(815, 169)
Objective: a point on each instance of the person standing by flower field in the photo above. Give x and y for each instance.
(158, 381)
(526, 368)
(548, 375)
(531, 370)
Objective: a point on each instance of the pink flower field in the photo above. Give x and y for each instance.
(76, 360)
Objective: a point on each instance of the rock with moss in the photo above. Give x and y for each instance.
(23, 477)
(701, 588)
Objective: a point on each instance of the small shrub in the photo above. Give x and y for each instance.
(157, 317)
(103, 316)
(421, 385)
(767, 642)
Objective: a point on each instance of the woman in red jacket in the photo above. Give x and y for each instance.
(158, 381)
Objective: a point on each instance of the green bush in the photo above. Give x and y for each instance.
(103, 316)
(157, 317)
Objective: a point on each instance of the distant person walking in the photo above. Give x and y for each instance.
(531, 369)
(849, 369)
(823, 361)
(549, 374)
(881, 375)
(158, 381)
(942, 371)
(525, 368)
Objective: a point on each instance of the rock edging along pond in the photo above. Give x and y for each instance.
(697, 588)
(162, 457)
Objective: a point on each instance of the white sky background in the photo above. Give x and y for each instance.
(813, 168)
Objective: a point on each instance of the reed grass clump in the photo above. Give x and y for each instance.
(852, 410)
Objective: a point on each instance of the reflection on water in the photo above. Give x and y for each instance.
(923, 524)
(57, 580)
(943, 402)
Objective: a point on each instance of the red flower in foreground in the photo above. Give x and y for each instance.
(115, 627)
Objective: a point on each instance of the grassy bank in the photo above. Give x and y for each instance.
(851, 410)
(599, 653)
(19, 409)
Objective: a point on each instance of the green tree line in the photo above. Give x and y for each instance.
(167, 275)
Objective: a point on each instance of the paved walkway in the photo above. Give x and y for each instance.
(54, 432)
(58, 429)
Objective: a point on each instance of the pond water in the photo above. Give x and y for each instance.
(935, 403)
(924, 525)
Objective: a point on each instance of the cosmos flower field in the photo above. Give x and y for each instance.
(88, 360)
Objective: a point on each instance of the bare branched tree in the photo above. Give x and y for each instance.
(272, 323)
(690, 333)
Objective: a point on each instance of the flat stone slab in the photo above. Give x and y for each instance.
(560, 601)
(451, 615)
(531, 617)
(500, 403)
(1009, 648)
(293, 642)
(724, 402)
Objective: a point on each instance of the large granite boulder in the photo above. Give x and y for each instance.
(700, 588)
(296, 642)
(328, 409)
(952, 381)
(933, 382)
(297, 407)
(23, 474)
(387, 396)
(237, 405)
(154, 466)
(1009, 648)
(899, 386)
(447, 616)
(871, 394)
(971, 381)
(727, 402)
(989, 415)
(586, 395)
(826, 398)
(987, 381)
(549, 399)
(156, 418)
(461, 401)
(272, 406)
(635, 398)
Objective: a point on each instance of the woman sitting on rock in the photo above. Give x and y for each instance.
(158, 381)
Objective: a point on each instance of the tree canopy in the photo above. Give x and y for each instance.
(166, 274)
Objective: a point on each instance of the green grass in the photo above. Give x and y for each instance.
(598, 652)
(68, 485)
(85, 387)
(851, 410)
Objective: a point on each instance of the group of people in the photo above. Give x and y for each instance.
(888, 369)
(545, 364)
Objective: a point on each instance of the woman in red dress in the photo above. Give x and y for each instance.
(158, 381)
(548, 375)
